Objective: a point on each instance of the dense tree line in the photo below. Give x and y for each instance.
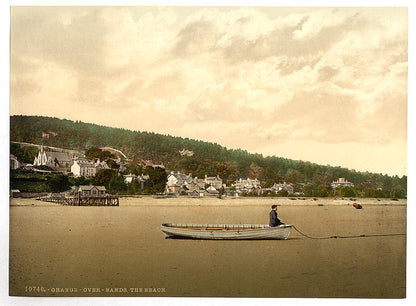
(24, 154)
(208, 158)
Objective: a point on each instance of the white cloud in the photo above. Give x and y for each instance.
(238, 76)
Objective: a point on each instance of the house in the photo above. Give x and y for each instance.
(149, 163)
(130, 178)
(211, 192)
(246, 186)
(194, 193)
(14, 193)
(52, 159)
(82, 167)
(14, 163)
(277, 187)
(100, 165)
(214, 181)
(176, 181)
(242, 184)
(186, 153)
(341, 182)
(90, 190)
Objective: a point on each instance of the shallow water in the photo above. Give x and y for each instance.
(58, 248)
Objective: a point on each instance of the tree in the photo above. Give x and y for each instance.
(157, 179)
(24, 154)
(103, 177)
(96, 153)
(134, 187)
(348, 192)
(112, 164)
(322, 191)
(59, 183)
(294, 176)
(370, 193)
(308, 190)
(117, 185)
(255, 171)
(77, 181)
(282, 193)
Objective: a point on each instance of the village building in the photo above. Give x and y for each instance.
(130, 178)
(278, 187)
(195, 193)
(214, 181)
(244, 186)
(149, 163)
(247, 183)
(179, 183)
(186, 153)
(52, 159)
(82, 167)
(341, 182)
(211, 192)
(14, 163)
(90, 191)
(176, 181)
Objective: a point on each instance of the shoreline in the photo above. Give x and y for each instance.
(230, 202)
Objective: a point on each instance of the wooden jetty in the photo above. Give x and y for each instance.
(78, 200)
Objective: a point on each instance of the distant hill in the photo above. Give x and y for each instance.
(206, 158)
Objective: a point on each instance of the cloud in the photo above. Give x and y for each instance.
(239, 76)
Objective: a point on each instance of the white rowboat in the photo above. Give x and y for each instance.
(225, 231)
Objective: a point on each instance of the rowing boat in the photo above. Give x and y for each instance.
(225, 231)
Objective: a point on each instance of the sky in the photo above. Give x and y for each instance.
(320, 84)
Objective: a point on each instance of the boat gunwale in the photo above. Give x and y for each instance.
(223, 227)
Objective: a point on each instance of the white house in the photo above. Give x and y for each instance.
(277, 187)
(247, 184)
(129, 178)
(341, 182)
(82, 167)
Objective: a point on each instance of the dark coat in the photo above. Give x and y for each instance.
(274, 220)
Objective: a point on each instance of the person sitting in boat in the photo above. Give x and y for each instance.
(274, 220)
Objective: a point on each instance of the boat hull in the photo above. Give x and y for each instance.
(226, 231)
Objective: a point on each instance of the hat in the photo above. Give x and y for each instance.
(274, 206)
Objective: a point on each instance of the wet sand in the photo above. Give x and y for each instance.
(79, 250)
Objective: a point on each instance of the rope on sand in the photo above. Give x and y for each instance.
(353, 236)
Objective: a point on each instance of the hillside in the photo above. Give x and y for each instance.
(192, 156)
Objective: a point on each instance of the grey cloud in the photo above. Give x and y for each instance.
(335, 118)
(332, 116)
(224, 106)
(390, 119)
(327, 73)
(22, 87)
(164, 87)
(196, 37)
(293, 64)
(280, 42)
(78, 45)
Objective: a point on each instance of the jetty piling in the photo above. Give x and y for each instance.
(105, 200)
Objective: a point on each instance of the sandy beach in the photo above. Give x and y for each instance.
(120, 251)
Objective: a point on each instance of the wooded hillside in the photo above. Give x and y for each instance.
(208, 158)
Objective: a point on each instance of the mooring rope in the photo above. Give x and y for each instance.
(353, 236)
